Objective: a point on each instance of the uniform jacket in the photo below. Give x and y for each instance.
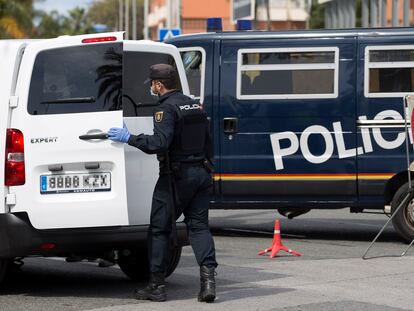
(166, 117)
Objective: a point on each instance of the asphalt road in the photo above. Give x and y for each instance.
(329, 276)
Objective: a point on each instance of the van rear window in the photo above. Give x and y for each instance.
(77, 79)
(137, 99)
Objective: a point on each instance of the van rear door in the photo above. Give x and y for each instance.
(69, 94)
(138, 105)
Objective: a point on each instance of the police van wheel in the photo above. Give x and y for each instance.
(403, 221)
(135, 265)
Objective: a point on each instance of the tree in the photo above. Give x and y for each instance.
(317, 18)
(107, 12)
(77, 23)
(54, 24)
(16, 18)
(51, 24)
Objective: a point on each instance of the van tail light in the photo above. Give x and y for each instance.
(47, 246)
(14, 165)
(99, 39)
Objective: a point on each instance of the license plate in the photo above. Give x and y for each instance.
(70, 183)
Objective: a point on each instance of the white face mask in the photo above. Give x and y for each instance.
(152, 92)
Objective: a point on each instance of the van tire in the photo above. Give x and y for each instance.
(4, 268)
(403, 222)
(135, 264)
(175, 255)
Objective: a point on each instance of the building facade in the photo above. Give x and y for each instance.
(191, 15)
(400, 15)
(373, 13)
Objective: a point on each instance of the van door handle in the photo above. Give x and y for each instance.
(231, 125)
(94, 136)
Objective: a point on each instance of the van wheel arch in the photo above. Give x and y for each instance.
(393, 184)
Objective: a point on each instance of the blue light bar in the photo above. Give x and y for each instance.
(214, 24)
(244, 24)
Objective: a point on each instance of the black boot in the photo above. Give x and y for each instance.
(155, 290)
(207, 284)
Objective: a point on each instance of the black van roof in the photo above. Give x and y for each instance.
(314, 33)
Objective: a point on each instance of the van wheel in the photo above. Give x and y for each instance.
(135, 265)
(4, 267)
(175, 255)
(403, 222)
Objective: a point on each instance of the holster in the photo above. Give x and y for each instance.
(208, 166)
(173, 196)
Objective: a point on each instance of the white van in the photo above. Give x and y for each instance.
(69, 191)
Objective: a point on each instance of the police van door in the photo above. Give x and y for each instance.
(385, 76)
(69, 92)
(288, 133)
(138, 106)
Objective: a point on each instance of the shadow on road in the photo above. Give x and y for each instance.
(233, 283)
(48, 278)
(312, 229)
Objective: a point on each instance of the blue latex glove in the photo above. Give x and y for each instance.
(119, 134)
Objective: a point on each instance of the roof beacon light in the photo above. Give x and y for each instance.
(244, 24)
(214, 24)
(99, 39)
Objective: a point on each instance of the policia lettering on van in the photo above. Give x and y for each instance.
(306, 119)
(69, 191)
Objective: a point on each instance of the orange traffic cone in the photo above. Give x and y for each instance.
(277, 244)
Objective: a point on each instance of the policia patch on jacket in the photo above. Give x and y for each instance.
(158, 116)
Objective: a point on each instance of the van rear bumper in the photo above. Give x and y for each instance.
(18, 238)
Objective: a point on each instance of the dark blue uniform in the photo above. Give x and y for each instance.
(181, 129)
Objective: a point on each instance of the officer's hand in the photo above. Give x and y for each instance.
(119, 134)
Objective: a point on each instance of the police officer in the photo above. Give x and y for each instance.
(181, 135)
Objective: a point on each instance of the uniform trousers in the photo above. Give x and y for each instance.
(192, 183)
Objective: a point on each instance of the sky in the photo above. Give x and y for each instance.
(62, 6)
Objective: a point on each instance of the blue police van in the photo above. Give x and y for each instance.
(306, 119)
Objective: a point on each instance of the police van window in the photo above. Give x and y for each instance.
(287, 73)
(137, 99)
(194, 61)
(389, 71)
(77, 79)
(289, 58)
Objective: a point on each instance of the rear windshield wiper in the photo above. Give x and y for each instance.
(71, 100)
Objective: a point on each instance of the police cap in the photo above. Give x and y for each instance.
(161, 72)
